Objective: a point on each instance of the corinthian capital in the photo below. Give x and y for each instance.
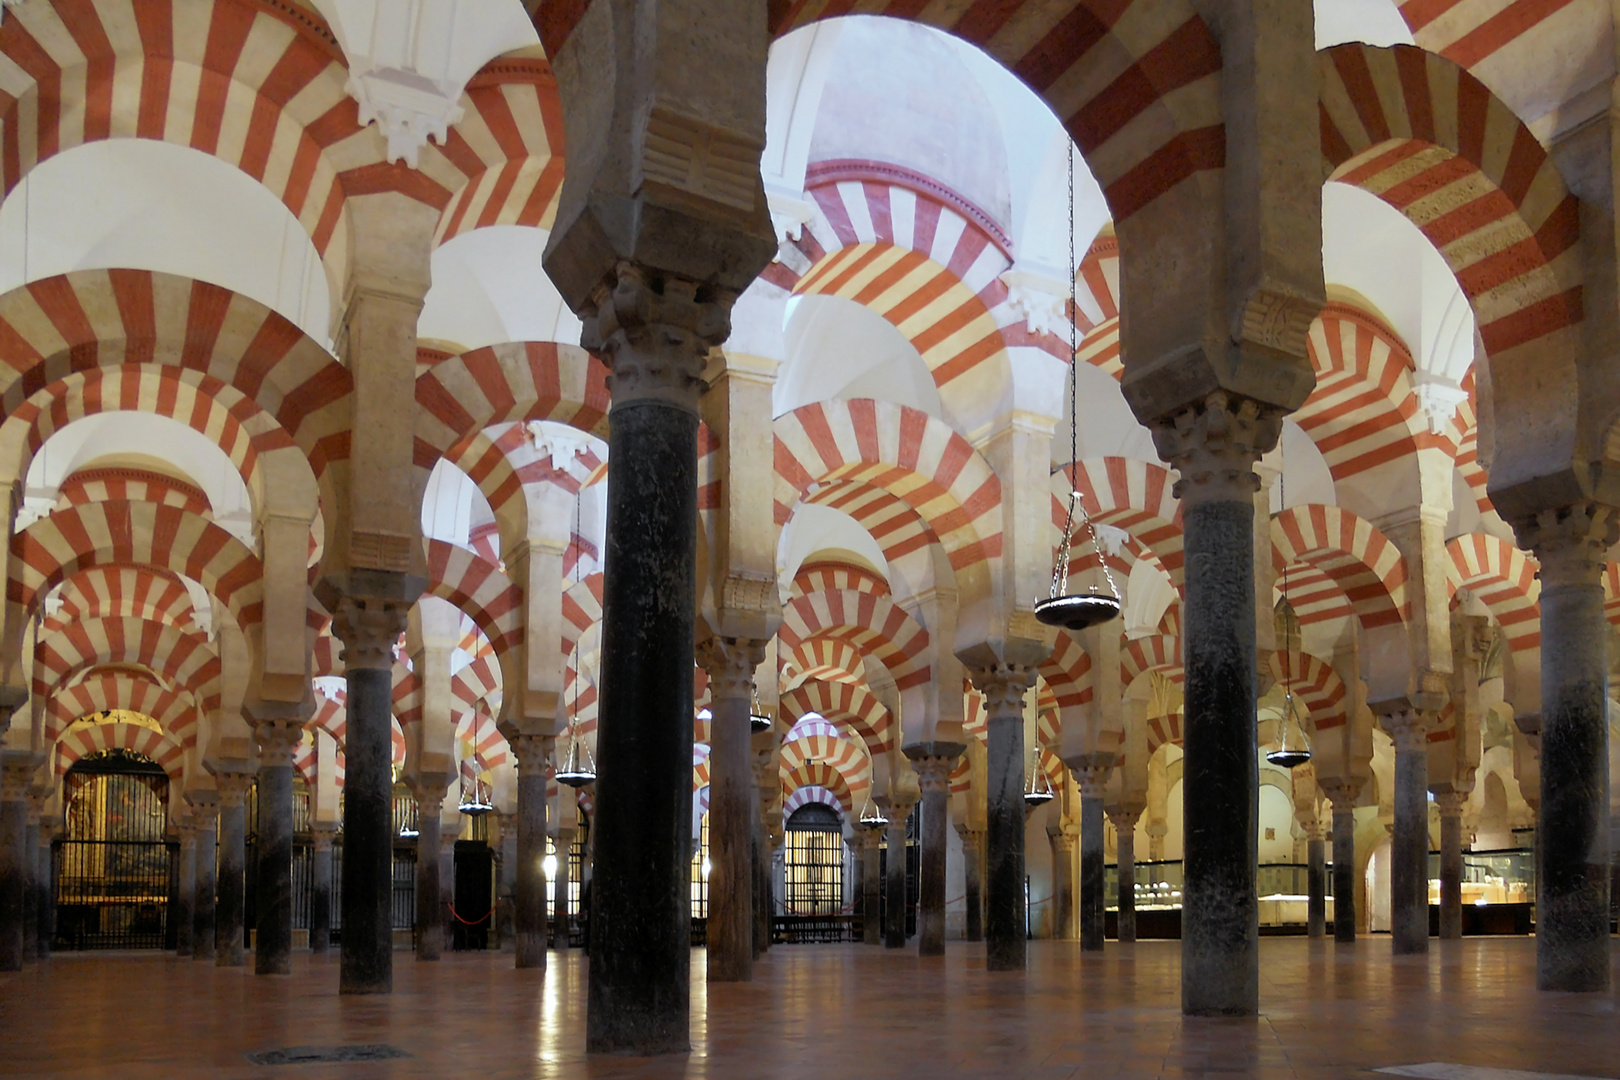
(1003, 687)
(1569, 542)
(933, 763)
(532, 752)
(654, 332)
(1215, 444)
(731, 663)
(278, 740)
(369, 628)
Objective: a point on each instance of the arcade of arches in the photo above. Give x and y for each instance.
(487, 478)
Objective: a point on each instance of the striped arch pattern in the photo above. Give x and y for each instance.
(816, 739)
(1611, 592)
(121, 592)
(479, 589)
(843, 703)
(1360, 561)
(1098, 276)
(825, 658)
(1067, 671)
(116, 319)
(1163, 729)
(906, 453)
(99, 738)
(67, 541)
(131, 485)
(874, 625)
(1433, 142)
(1504, 578)
(810, 793)
(177, 656)
(1363, 412)
(500, 384)
(174, 712)
(820, 774)
(1155, 653)
(1315, 683)
(503, 463)
(822, 576)
(1129, 494)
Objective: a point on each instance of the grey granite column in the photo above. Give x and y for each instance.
(871, 885)
(1316, 886)
(972, 881)
(273, 903)
(1409, 844)
(229, 946)
(320, 892)
(186, 892)
(533, 753)
(1342, 794)
(1093, 870)
(933, 762)
(429, 789)
(767, 787)
(16, 772)
(730, 663)
(45, 870)
(559, 889)
(369, 624)
(1572, 825)
(1067, 923)
(894, 915)
(1125, 839)
(1214, 444)
(31, 881)
(1003, 687)
(505, 883)
(1450, 804)
(204, 929)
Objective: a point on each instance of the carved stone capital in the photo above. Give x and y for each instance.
(278, 740)
(321, 834)
(532, 752)
(1003, 687)
(429, 790)
(1569, 542)
(204, 806)
(17, 769)
(232, 786)
(1091, 773)
(933, 762)
(731, 663)
(654, 333)
(1451, 803)
(369, 628)
(1408, 726)
(1341, 793)
(1124, 819)
(1215, 443)
(1063, 837)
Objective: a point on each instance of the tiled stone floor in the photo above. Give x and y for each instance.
(832, 1012)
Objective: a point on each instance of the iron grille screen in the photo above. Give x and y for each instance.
(700, 874)
(115, 871)
(813, 861)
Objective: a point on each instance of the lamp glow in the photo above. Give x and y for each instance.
(549, 865)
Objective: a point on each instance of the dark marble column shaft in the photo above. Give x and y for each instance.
(1409, 843)
(186, 892)
(654, 337)
(204, 925)
(1572, 822)
(1003, 686)
(31, 884)
(1343, 797)
(369, 628)
(45, 869)
(871, 884)
(14, 859)
(1125, 859)
(230, 888)
(1451, 864)
(1066, 920)
(1093, 870)
(894, 915)
(1316, 887)
(320, 893)
(273, 900)
(933, 763)
(764, 898)
(730, 663)
(529, 883)
(973, 882)
(559, 888)
(429, 793)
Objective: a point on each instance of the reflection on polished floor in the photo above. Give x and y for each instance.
(832, 1011)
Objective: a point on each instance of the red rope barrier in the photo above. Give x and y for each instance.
(469, 922)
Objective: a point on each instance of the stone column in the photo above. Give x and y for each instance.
(1125, 834)
(533, 753)
(273, 903)
(1572, 825)
(32, 878)
(933, 762)
(1066, 925)
(894, 918)
(768, 788)
(653, 332)
(205, 815)
(1409, 844)
(1342, 794)
(16, 772)
(1003, 687)
(1214, 444)
(1316, 885)
(320, 893)
(871, 840)
(428, 790)
(185, 894)
(231, 887)
(559, 889)
(730, 663)
(1093, 873)
(369, 627)
(972, 881)
(45, 869)
(1450, 804)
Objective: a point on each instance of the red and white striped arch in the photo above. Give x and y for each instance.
(808, 794)
(124, 534)
(1067, 670)
(1157, 652)
(1129, 494)
(531, 380)
(1433, 142)
(1314, 682)
(178, 656)
(1504, 578)
(821, 774)
(1362, 413)
(874, 625)
(332, 717)
(112, 592)
(479, 589)
(99, 738)
(1360, 561)
(843, 703)
(824, 658)
(175, 712)
(827, 574)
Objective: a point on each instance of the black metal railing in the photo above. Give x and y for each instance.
(114, 894)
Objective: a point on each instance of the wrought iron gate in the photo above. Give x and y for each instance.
(116, 872)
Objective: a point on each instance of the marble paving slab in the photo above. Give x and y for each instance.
(1440, 1070)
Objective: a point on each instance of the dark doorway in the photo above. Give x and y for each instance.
(475, 895)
